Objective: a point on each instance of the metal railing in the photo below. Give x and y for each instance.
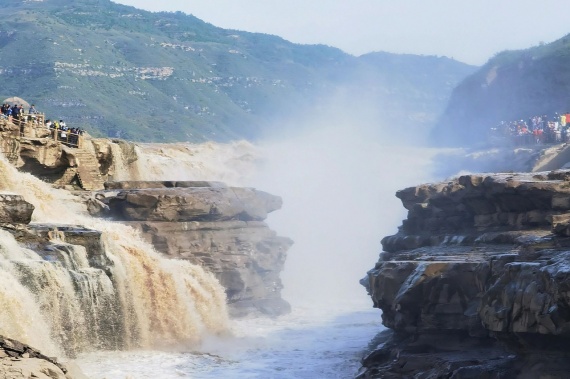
(36, 121)
(66, 137)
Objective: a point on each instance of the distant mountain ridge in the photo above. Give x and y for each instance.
(123, 72)
(513, 85)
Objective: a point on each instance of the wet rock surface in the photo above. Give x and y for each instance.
(475, 284)
(14, 209)
(207, 223)
(246, 257)
(20, 361)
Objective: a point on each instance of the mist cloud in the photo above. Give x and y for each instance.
(337, 173)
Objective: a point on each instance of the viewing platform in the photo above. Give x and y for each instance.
(55, 155)
(34, 126)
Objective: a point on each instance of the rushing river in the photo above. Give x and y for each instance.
(308, 343)
(338, 192)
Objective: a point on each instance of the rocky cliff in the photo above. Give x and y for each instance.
(210, 224)
(475, 283)
(32, 148)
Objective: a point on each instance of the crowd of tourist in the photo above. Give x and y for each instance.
(64, 132)
(536, 130)
(60, 131)
(16, 111)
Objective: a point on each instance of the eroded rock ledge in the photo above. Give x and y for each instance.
(210, 224)
(179, 204)
(476, 283)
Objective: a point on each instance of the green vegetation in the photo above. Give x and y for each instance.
(122, 72)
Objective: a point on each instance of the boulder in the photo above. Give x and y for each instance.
(18, 360)
(14, 209)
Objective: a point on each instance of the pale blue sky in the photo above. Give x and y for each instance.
(468, 30)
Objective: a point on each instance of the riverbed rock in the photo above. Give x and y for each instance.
(476, 281)
(143, 184)
(46, 239)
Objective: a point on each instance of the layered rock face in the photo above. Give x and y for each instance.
(218, 227)
(476, 282)
(192, 203)
(35, 151)
(86, 165)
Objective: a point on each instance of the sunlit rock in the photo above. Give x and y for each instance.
(20, 361)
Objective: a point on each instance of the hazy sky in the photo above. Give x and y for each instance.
(468, 30)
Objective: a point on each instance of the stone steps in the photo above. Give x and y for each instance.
(67, 177)
(90, 177)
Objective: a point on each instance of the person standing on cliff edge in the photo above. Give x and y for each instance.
(15, 112)
(33, 114)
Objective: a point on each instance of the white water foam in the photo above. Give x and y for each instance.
(338, 203)
(59, 302)
(306, 344)
(232, 163)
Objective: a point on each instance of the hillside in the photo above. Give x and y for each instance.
(123, 72)
(513, 85)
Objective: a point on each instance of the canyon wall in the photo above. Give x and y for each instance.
(476, 281)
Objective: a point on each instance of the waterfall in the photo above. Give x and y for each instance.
(122, 168)
(21, 316)
(232, 163)
(62, 297)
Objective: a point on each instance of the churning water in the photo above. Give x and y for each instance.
(308, 343)
(125, 296)
(154, 318)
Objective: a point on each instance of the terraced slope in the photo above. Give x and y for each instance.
(123, 72)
